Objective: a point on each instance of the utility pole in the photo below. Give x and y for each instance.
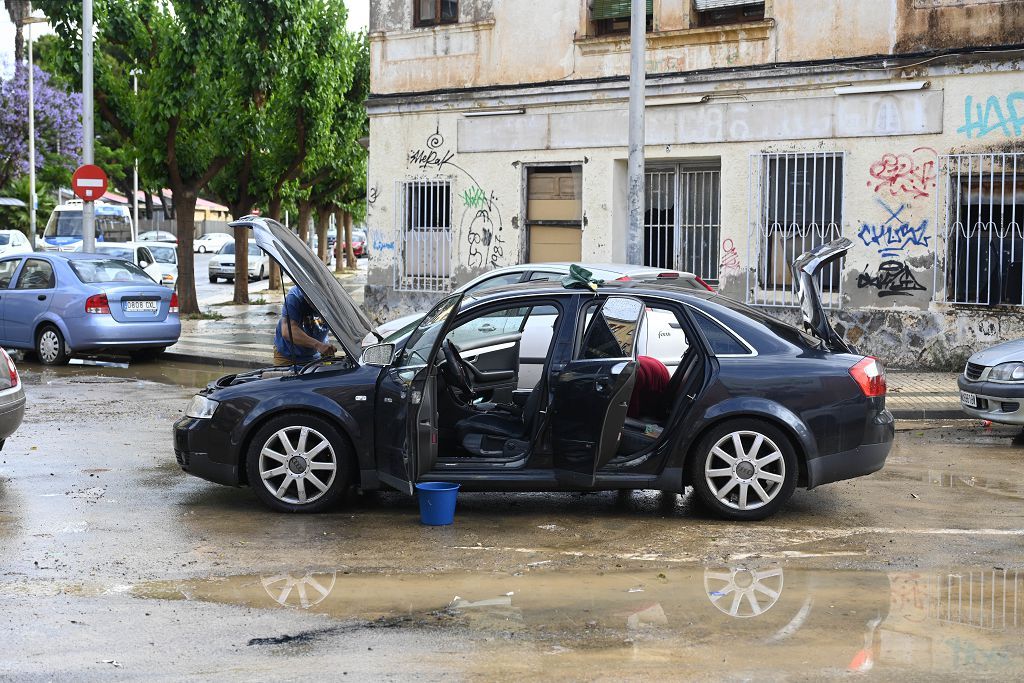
(637, 92)
(135, 169)
(88, 208)
(31, 149)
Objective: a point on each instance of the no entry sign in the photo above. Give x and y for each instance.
(89, 182)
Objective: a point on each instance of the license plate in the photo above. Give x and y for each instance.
(140, 306)
(970, 400)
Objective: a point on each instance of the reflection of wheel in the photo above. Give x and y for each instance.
(741, 592)
(305, 592)
(744, 469)
(50, 346)
(299, 463)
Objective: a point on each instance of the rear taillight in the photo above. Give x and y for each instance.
(174, 303)
(706, 285)
(869, 374)
(97, 303)
(10, 368)
(624, 278)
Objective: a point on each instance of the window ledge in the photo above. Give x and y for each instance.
(660, 40)
(463, 27)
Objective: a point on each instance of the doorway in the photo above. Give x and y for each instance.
(554, 213)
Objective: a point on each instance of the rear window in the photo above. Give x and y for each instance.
(94, 271)
(163, 254)
(722, 342)
(116, 252)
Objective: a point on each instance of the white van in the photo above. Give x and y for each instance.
(64, 229)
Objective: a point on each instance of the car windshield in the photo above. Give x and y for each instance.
(427, 330)
(116, 252)
(229, 248)
(91, 271)
(163, 254)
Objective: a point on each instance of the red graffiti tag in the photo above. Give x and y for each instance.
(730, 262)
(905, 174)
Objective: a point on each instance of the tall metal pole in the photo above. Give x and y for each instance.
(135, 170)
(31, 147)
(637, 89)
(88, 208)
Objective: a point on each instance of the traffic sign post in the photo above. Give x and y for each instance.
(89, 182)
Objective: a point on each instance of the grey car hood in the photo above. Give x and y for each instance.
(1000, 353)
(343, 316)
(805, 268)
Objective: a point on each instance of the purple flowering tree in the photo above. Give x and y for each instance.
(57, 123)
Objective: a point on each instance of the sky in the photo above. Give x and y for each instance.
(358, 18)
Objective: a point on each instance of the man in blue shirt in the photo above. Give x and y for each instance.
(301, 335)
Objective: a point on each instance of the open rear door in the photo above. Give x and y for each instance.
(591, 394)
(805, 268)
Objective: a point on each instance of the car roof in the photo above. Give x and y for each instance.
(541, 287)
(172, 245)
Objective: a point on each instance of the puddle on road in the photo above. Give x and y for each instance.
(958, 480)
(188, 375)
(754, 620)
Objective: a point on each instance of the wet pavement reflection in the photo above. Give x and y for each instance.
(185, 375)
(777, 619)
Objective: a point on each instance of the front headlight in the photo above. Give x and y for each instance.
(1007, 372)
(201, 408)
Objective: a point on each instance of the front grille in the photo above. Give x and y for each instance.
(1009, 406)
(974, 371)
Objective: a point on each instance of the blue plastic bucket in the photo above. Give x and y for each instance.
(437, 502)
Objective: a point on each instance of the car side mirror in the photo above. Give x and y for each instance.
(379, 354)
(144, 263)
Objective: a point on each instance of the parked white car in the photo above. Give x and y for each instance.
(222, 265)
(137, 253)
(158, 236)
(166, 255)
(14, 242)
(211, 242)
(660, 335)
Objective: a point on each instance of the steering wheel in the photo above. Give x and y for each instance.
(454, 370)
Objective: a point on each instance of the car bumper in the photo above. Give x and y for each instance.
(104, 332)
(867, 458)
(12, 411)
(997, 402)
(199, 451)
(229, 271)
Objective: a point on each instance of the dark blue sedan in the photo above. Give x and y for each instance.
(60, 304)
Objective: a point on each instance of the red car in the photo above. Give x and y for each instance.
(359, 246)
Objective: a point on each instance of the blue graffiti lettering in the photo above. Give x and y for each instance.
(893, 235)
(982, 119)
(378, 244)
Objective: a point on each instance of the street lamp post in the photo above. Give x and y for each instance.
(29, 20)
(635, 164)
(88, 208)
(135, 169)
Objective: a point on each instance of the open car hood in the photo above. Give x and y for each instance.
(343, 316)
(805, 268)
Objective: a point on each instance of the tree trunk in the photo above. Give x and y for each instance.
(323, 219)
(241, 265)
(274, 276)
(149, 207)
(350, 254)
(305, 211)
(185, 211)
(339, 253)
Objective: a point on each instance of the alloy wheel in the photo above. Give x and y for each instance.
(49, 346)
(297, 465)
(741, 592)
(745, 470)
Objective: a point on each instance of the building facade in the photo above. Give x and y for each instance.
(498, 133)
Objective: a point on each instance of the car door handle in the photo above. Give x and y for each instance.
(41, 297)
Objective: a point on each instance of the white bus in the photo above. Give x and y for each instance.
(64, 229)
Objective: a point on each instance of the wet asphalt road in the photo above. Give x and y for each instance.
(113, 563)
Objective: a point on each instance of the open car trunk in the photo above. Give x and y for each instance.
(806, 267)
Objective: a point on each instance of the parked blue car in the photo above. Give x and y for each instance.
(60, 304)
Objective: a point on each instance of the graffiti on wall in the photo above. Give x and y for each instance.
(433, 154)
(893, 278)
(1005, 115)
(893, 234)
(730, 263)
(905, 175)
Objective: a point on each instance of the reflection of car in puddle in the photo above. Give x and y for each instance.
(741, 592)
(305, 591)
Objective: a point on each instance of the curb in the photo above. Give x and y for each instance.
(216, 362)
(930, 414)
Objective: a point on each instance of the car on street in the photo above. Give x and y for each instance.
(158, 236)
(359, 246)
(222, 265)
(64, 304)
(992, 384)
(754, 408)
(64, 227)
(137, 253)
(14, 242)
(211, 242)
(166, 255)
(12, 398)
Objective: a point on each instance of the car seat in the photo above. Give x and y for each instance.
(498, 432)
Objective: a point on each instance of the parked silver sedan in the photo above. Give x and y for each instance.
(992, 384)
(12, 398)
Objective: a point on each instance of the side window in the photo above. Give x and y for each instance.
(662, 336)
(539, 275)
(492, 324)
(496, 281)
(36, 274)
(7, 269)
(723, 342)
(612, 331)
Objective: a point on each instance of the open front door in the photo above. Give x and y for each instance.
(591, 394)
(406, 416)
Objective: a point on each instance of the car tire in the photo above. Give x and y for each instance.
(282, 475)
(229, 280)
(50, 346)
(263, 272)
(202, 249)
(753, 485)
(213, 280)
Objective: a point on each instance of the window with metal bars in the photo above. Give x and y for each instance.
(796, 204)
(613, 16)
(436, 12)
(722, 12)
(981, 212)
(424, 236)
(682, 219)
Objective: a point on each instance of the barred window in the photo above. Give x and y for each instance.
(425, 236)
(796, 204)
(682, 219)
(614, 16)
